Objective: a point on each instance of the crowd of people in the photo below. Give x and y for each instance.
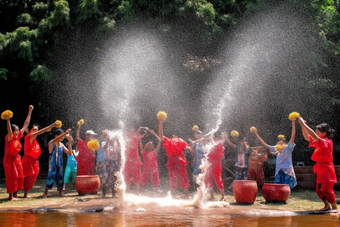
(207, 150)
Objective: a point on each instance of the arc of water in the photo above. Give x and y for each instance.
(199, 198)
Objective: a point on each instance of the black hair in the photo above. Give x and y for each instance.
(324, 127)
(58, 132)
(31, 126)
(282, 139)
(13, 127)
(245, 139)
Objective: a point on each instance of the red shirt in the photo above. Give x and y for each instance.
(12, 160)
(174, 146)
(216, 153)
(150, 160)
(13, 147)
(323, 156)
(85, 159)
(33, 150)
(131, 152)
(174, 150)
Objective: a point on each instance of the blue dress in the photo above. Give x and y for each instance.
(284, 171)
(198, 156)
(55, 167)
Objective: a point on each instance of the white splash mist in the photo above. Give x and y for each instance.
(200, 199)
(136, 77)
(120, 179)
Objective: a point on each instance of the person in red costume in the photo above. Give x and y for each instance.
(176, 164)
(132, 159)
(12, 161)
(150, 166)
(32, 152)
(214, 168)
(86, 157)
(321, 139)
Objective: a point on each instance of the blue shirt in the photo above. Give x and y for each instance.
(100, 151)
(71, 161)
(284, 160)
(246, 155)
(198, 155)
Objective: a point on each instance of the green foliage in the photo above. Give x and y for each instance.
(206, 11)
(25, 50)
(32, 27)
(41, 73)
(25, 20)
(19, 41)
(225, 20)
(106, 24)
(3, 42)
(3, 73)
(40, 10)
(90, 10)
(126, 9)
(61, 14)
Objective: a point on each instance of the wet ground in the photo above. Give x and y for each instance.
(158, 209)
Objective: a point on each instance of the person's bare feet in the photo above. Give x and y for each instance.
(325, 208)
(173, 193)
(211, 198)
(13, 199)
(333, 211)
(43, 196)
(26, 197)
(222, 198)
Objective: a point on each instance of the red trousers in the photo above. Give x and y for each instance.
(325, 192)
(14, 184)
(14, 173)
(214, 172)
(177, 170)
(31, 171)
(154, 177)
(134, 170)
(259, 175)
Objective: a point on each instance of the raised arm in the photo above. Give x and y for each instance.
(70, 140)
(140, 145)
(108, 139)
(188, 148)
(228, 141)
(307, 131)
(78, 130)
(9, 130)
(138, 131)
(41, 131)
(261, 140)
(160, 129)
(28, 119)
(159, 141)
(56, 139)
(293, 133)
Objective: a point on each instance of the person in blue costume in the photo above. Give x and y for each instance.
(55, 164)
(101, 170)
(284, 171)
(198, 154)
(71, 168)
(242, 157)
